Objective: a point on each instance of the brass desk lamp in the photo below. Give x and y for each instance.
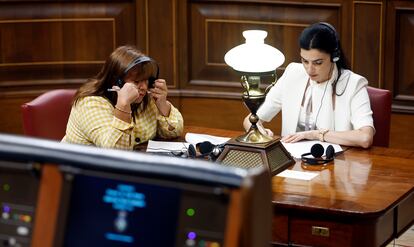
(255, 61)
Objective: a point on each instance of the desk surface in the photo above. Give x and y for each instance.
(365, 197)
(359, 182)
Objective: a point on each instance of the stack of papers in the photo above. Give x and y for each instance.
(194, 138)
(166, 147)
(298, 174)
(190, 138)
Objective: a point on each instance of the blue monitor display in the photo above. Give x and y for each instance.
(110, 212)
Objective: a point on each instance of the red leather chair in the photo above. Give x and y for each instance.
(47, 115)
(381, 108)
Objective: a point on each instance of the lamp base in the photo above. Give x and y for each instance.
(271, 154)
(254, 136)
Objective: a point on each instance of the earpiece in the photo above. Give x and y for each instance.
(336, 54)
(120, 81)
(152, 79)
(317, 151)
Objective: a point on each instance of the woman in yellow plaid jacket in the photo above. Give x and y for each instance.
(125, 104)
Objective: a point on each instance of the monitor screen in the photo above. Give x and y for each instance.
(109, 210)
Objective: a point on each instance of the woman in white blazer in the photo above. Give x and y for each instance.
(320, 99)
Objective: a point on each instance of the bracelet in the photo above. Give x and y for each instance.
(170, 127)
(126, 112)
(322, 133)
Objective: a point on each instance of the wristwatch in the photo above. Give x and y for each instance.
(322, 133)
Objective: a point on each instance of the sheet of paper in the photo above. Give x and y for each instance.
(162, 146)
(298, 174)
(298, 148)
(194, 138)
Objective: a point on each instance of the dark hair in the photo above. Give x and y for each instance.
(113, 69)
(323, 36)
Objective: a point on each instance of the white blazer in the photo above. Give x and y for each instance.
(352, 108)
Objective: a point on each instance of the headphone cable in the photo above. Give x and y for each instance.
(320, 105)
(346, 85)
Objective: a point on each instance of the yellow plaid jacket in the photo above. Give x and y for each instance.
(92, 122)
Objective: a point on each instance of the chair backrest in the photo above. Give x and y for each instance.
(381, 107)
(47, 115)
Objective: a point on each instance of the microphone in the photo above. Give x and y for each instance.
(207, 148)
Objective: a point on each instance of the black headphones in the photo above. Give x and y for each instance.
(189, 152)
(142, 59)
(336, 54)
(317, 151)
(208, 149)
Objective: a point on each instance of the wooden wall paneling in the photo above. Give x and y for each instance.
(10, 113)
(367, 41)
(220, 113)
(58, 43)
(344, 27)
(404, 74)
(183, 42)
(141, 24)
(389, 52)
(399, 73)
(161, 36)
(213, 113)
(405, 71)
(401, 133)
(215, 28)
(46, 45)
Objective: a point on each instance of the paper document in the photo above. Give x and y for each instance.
(166, 147)
(297, 174)
(296, 149)
(194, 138)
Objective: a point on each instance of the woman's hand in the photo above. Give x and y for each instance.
(265, 131)
(262, 129)
(309, 135)
(159, 94)
(127, 95)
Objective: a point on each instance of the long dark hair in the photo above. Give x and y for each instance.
(323, 36)
(113, 69)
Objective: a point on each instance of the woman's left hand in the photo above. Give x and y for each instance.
(159, 94)
(309, 135)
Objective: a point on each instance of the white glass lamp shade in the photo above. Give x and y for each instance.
(254, 56)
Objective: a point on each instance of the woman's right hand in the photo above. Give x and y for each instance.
(265, 131)
(262, 129)
(127, 94)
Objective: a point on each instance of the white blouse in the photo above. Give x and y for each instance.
(352, 108)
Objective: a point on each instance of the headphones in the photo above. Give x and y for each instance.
(208, 149)
(189, 152)
(336, 54)
(142, 59)
(317, 151)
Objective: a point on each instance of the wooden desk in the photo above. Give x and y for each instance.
(366, 198)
